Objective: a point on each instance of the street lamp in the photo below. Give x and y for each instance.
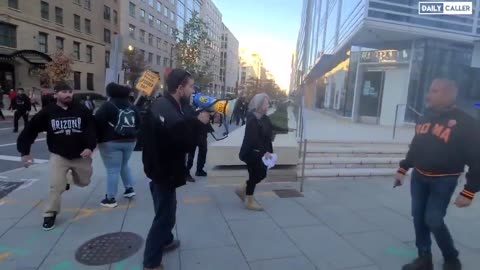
(130, 48)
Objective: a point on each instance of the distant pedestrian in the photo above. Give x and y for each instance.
(12, 95)
(117, 122)
(22, 107)
(445, 141)
(71, 141)
(89, 104)
(257, 144)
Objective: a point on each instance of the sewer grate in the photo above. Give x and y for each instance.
(288, 193)
(7, 187)
(109, 248)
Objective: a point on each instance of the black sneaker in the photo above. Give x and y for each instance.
(175, 244)
(15, 131)
(109, 202)
(201, 173)
(452, 265)
(67, 187)
(190, 179)
(129, 193)
(49, 223)
(420, 263)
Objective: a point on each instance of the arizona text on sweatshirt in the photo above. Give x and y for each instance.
(443, 144)
(69, 131)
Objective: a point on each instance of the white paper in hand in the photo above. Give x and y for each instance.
(270, 163)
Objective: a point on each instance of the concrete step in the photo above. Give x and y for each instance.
(356, 149)
(331, 160)
(356, 155)
(351, 166)
(357, 143)
(353, 172)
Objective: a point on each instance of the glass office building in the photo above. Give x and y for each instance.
(370, 60)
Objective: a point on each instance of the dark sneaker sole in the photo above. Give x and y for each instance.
(129, 195)
(109, 205)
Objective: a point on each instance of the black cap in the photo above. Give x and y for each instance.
(62, 86)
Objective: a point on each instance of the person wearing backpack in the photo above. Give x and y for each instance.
(117, 122)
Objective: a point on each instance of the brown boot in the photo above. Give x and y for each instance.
(251, 204)
(241, 192)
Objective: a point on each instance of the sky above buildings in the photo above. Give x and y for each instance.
(269, 27)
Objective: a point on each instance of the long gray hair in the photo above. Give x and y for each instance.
(257, 102)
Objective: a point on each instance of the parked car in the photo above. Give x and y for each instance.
(81, 95)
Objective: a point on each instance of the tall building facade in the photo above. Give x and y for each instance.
(31, 31)
(371, 61)
(229, 62)
(148, 26)
(213, 18)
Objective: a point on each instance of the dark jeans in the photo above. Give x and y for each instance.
(202, 155)
(257, 171)
(16, 117)
(430, 199)
(160, 234)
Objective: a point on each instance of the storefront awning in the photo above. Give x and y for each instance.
(323, 65)
(32, 57)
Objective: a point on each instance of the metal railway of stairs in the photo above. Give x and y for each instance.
(332, 159)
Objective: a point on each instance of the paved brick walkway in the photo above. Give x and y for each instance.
(341, 224)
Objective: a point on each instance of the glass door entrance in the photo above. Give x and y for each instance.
(371, 96)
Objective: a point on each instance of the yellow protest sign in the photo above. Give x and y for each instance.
(147, 82)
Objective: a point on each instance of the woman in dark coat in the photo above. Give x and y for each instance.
(257, 143)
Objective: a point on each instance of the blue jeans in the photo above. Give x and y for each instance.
(115, 156)
(160, 234)
(430, 199)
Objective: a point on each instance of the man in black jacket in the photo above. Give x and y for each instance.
(169, 134)
(71, 140)
(22, 106)
(446, 139)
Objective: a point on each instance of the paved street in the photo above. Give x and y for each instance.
(342, 224)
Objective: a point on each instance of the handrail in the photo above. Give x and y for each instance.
(396, 116)
(301, 135)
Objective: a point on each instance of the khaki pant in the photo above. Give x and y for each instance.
(81, 173)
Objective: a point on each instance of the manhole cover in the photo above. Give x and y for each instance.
(288, 193)
(7, 187)
(109, 248)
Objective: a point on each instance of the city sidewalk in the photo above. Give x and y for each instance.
(342, 224)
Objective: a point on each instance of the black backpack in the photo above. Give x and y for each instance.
(126, 125)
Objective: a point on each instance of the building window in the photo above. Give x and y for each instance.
(172, 16)
(159, 43)
(158, 24)
(88, 4)
(159, 7)
(44, 10)
(76, 80)
(165, 62)
(115, 17)
(142, 36)
(59, 15)
(150, 58)
(165, 28)
(43, 42)
(150, 3)
(150, 39)
(59, 43)
(165, 12)
(142, 52)
(107, 13)
(142, 15)
(131, 9)
(76, 22)
(107, 37)
(131, 31)
(77, 2)
(8, 35)
(76, 51)
(159, 60)
(88, 26)
(150, 20)
(107, 59)
(90, 81)
(89, 54)
(13, 4)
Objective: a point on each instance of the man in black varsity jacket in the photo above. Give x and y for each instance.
(446, 139)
